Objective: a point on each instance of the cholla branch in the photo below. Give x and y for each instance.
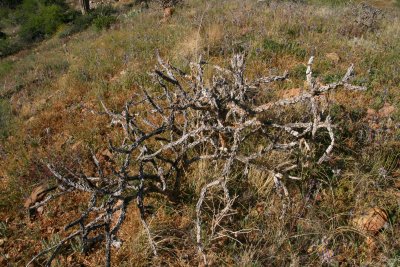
(192, 118)
(198, 217)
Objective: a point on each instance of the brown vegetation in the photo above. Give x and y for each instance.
(343, 211)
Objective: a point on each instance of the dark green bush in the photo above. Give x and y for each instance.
(101, 17)
(10, 3)
(4, 13)
(103, 22)
(78, 23)
(8, 47)
(104, 10)
(40, 19)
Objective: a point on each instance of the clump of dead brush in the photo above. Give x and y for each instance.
(366, 19)
(188, 119)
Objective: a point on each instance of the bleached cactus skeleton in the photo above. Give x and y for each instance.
(223, 122)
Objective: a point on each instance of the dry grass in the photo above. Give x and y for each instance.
(53, 88)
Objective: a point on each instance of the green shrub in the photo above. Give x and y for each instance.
(79, 23)
(101, 17)
(8, 47)
(104, 10)
(3, 13)
(10, 3)
(39, 19)
(44, 22)
(103, 22)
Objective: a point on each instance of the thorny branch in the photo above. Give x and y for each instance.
(189, 119)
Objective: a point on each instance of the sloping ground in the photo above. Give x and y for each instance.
(53, 92)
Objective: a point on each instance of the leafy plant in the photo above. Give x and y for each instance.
(103, 22)
(36, 25)
(101, 17)
(8, 47)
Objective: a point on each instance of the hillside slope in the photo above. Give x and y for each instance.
(50, 111)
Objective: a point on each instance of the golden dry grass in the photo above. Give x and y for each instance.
(54, 87)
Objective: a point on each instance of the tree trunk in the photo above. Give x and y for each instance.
(84, 6)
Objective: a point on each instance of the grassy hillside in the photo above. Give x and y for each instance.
(50, 111)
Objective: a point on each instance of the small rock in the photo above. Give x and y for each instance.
(116, 244)
(333, 57)
(2, 242)
(372, 220)
(40, 210)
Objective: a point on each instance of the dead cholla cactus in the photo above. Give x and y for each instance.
(366, 19)
(191, 119)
